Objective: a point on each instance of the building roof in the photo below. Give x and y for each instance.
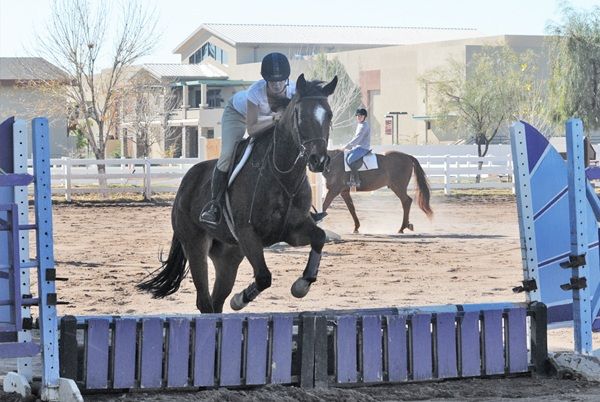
(29, 69)
(214, 83)
(198, 71)
(330, 34)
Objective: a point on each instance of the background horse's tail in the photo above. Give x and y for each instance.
(172, 272)
(423, 191)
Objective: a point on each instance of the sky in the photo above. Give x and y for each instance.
(21, 19)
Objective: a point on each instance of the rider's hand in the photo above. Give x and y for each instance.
(276, 116)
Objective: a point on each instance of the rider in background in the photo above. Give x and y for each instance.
(249, 109)
(359, 146)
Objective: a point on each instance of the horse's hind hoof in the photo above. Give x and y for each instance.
(237, 302)
(300, 288)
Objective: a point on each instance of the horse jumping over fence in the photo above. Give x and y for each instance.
(269, 201)
(395, 170)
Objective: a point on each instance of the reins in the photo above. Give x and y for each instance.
(277, 171)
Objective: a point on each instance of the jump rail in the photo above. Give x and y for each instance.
(311, 349)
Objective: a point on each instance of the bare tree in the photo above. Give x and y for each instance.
(145, 108)
(346, 98)
(77, 41)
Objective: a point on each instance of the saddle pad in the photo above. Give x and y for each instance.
(369, 162)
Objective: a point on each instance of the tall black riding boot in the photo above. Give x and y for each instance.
(211, 213)
(354, 175)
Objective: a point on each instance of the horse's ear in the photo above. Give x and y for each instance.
(329, 88)
(300, 83)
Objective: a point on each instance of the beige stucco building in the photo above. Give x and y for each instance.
(22, 98)
(385, 62)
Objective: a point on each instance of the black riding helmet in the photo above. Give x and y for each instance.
(361, 112)
(275, 67)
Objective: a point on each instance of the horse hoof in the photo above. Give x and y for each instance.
(355, 231)
(411, 227)
(300, 288)
(237, 302)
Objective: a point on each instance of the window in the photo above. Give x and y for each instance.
(209, 50)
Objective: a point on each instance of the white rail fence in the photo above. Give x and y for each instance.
(152, 176)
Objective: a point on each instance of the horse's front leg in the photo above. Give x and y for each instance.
(307, 233)
(252, 247)
(350, 205)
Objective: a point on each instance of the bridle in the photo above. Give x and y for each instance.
(302, 154)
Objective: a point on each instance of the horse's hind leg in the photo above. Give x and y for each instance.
(196, 252)
(307, 233)
(226, 260)
(406, 203)
(350, 205)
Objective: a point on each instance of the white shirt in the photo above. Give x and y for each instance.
(257, 94)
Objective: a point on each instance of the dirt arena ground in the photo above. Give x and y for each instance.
(469, 252)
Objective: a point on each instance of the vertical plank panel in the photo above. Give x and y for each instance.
(151, 356)
(493, 344)
(204, 351)
(517, 341)
(445, 341)
(256, 346)
(178, 352)
(124, 353)
(346, 349)
(307, 350)
(396, 348)
(231, 351)
(321, 353)
(421, 354)
(470, 348)
(281, 361)
(97, 354)
(372, 354)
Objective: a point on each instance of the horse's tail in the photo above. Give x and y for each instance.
(423, 190)
(172, 272)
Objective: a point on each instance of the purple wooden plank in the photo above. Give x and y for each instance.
(470, 348)
(6, 145)
(493, 342)
(445, 345)
(15, 179)
(256, 347)
(346, 349)
(421, 354)
(97, 354)
(281, 365)
(124, 353)
(178, 352)
(396, 348)
(151, 356)
(231, 351)
(517, 341)
(205, 349)
(11, 350)
(372, 354)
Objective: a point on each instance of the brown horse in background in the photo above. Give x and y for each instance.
(394, 171)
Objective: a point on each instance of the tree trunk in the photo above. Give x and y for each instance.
(481, 139)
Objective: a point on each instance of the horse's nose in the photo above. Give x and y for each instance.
(318, 163)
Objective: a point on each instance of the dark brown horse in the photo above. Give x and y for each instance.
(270, 202)
(395, 170)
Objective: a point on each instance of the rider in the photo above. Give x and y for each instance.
(359, 146)
(248, 109)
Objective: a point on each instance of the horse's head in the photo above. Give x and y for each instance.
(312, 115)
